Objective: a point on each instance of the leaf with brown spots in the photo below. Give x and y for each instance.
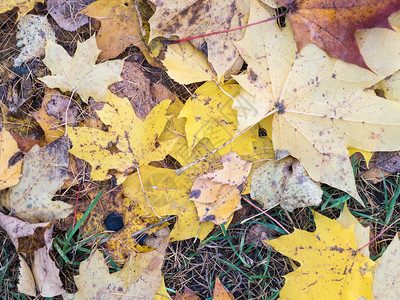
(196, 17)
(315, 116)
(330, 250)
(10, 160)
(129, 142)
(220, 293)
(141, 276)
(331, 24)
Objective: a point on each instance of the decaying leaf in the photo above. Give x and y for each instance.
(140, 276)
(188, 294)
(79, 73)
(220, 293)
(120, 26)
(331, 24)
(284, 183)
(382, 165)
(128, 143)
(315, 116)
(24, 6)
(387, 274)
(332, 251)
(65, 13)
(43, 174)
(33, 31)
(10, 160)
(191, 18)
(186, 64)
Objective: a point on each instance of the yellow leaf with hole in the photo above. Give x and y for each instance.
(186, 64)
(315, 116)
(10, 160)
(141, 276)
(120, 26)
(191, 18)
(129, 141)
(79, 73)
(24, 6)
(330, 266)
(209, 115)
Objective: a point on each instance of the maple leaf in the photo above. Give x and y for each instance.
(315, 116)
(332, 251)
(284, 182)
(10, 162)
(331, 24)
(209, 115)
(120, 26)
(24, 6)
(79, 73)
(141, 276)
(129, 141)
(194, 17)
(43, 174)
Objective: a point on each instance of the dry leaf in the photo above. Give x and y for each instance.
(65, 13)
(128, 143)
(79, 73)
(24, 6)
(140, 276)
(10, 160)
(284, 183)
(43, 174)
(220, 293)
(33, 31)
(332, 251)
(191, 18)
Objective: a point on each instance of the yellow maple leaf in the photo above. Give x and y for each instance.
(79, 73)
(315, 116)
(10, 160)
(209, 115)
(176, 18)
(129, 141)
(120, 26)
(330, 266)
(24, 6)
(141, 276)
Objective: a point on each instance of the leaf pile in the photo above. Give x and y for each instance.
(275, 111)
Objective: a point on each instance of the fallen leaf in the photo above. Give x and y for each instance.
(139, 89)
(120, 26)
(315, 116)
(79, 73)
(332, 251)
(220, 293)
(186, 64)
(50, 125)
(209, 115)
(65, 13)
(192, 18)
(26, 282)
(284, 183)
(33, 31)
(128, 143)
(10, 160)
(331, 24)
(188, 294)
(140, 276)
(382, 165)
(24, 6)
(43, 174)
(390, 86)
(387, 273)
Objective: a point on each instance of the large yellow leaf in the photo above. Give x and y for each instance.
(140, 277)
(209, 115)
(330, 266)
(315, 116)
(129, 141)
(24, 6)
(120, 26)
(190, 18)
(79, 73)
(10, 160)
